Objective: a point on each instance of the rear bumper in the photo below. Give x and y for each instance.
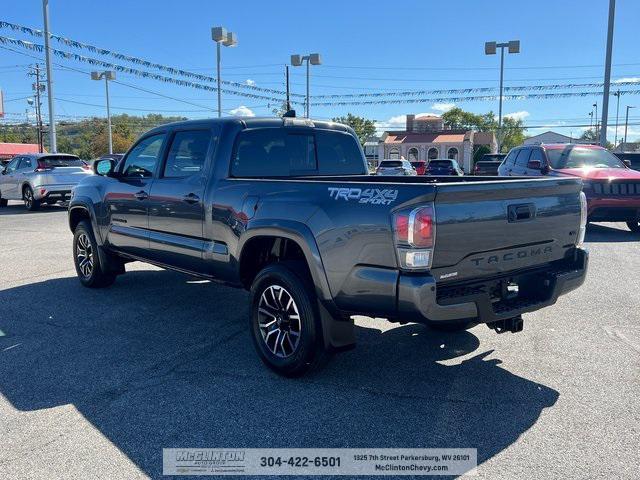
(603, 209)
(43, 192)
(421, 300)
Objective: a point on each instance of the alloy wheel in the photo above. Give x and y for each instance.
(28, 198)
(84, 255)
(279, 321)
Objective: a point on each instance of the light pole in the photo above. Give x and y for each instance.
(52, 121)
(228, 39)
(607, 74)
(591, 120)
(490, 49)
(107, 75)
(617, 94)
(626, 123)
(296, 61)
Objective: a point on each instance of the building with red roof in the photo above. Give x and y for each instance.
(10, 150)
(427, 138)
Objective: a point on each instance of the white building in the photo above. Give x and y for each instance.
(426, 138)
(549, 137)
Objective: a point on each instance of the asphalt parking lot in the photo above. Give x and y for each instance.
(94, 383)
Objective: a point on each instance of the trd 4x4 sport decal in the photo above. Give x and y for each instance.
(372, 196)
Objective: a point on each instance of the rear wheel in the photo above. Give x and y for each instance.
(90, 270)
(29, 200)
(634, 226)
(285, 322)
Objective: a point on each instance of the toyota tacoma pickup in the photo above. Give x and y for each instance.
(284, 208)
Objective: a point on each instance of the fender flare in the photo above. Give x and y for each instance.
(338, 332)
(85, 203)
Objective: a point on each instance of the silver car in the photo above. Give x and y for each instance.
(41, 178)
(395, 168)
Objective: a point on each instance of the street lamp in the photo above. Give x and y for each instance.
(296, 61)
(228, 39)
(107, 75)
(617, 95)
(490, 48)
(626, 123)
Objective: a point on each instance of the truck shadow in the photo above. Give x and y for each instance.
(610, 233)
(160, 360)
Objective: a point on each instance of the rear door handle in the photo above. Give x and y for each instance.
(141, 195)
(191, 198)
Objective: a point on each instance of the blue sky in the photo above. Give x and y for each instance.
(365, 46)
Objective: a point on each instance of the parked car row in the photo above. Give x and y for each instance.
(441, 167)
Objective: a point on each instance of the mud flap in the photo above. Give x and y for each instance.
(338, 333)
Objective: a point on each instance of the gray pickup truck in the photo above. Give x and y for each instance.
(285, 209)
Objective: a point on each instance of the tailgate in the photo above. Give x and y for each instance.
(64, 176)
(486, 228)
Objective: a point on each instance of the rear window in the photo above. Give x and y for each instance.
(278, 152)
(60, 161)
(440, 163)
(391, 164)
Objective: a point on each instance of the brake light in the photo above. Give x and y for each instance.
(86, 167)
(583, 220)
(414, 234)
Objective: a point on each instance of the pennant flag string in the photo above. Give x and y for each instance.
(133, 71)
(138, 61)
(479, 98)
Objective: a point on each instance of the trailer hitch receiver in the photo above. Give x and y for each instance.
(513, 325)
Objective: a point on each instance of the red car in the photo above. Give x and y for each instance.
(611, 187)
(419, 166)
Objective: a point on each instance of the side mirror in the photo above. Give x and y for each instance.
(534, 165)
(104, 167)
(627, 163)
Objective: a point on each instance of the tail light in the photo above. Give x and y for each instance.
(42, 167)
(415, 231)
(583, 220)
(86, 167)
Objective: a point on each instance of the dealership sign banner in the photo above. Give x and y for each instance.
(319, 461)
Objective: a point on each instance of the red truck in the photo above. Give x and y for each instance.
(611, 187)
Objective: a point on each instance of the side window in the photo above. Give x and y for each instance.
(339, 154)
(142, 160)
(523, 157)
(26, 163)
(187, 154)
(13, 165)
(511, 157)
(536, 154)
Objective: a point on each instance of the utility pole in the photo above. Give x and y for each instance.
(607, 74)
(617, 94)
(52, 120)
(37, 88)
(288, 103)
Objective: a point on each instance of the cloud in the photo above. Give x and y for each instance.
(521, 115)
(627, 80)
(443, 107)
(250, 82)
(242, 111)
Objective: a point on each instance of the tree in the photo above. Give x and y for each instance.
(591, 136)
(364, 128)
(512, 129)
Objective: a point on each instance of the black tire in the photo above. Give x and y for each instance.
(3, 201)
(634, 226)
(286, 282)
(29, 202)
(452, 327)
(85, 252)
